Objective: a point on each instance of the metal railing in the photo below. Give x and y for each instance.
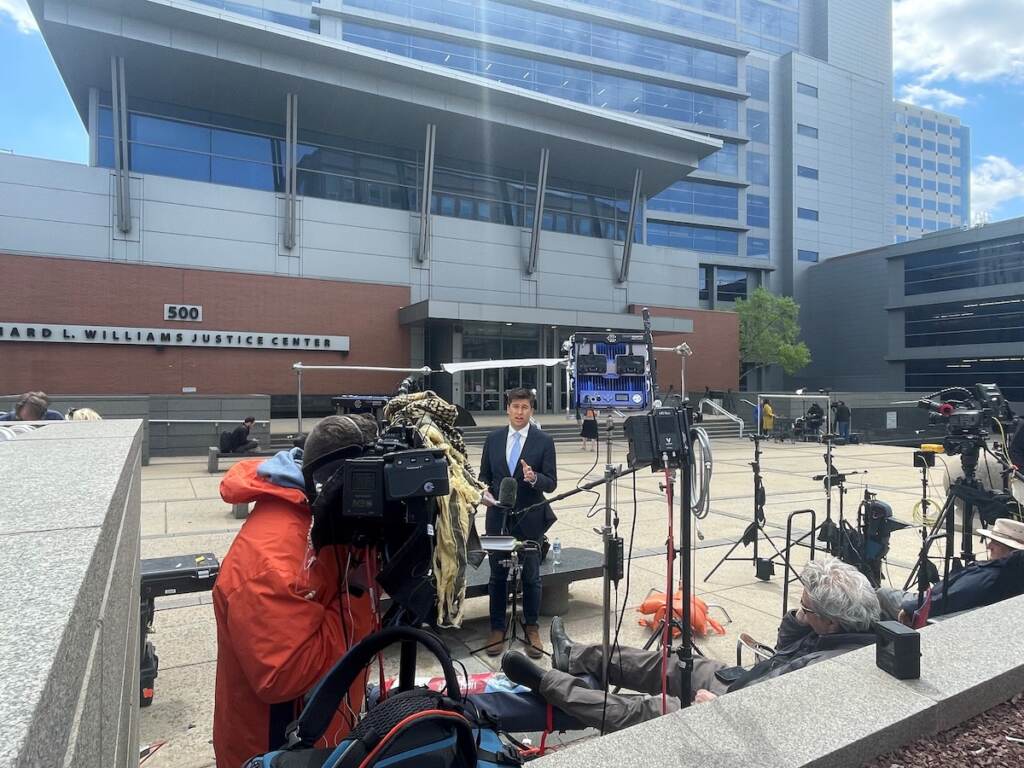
(720, 411)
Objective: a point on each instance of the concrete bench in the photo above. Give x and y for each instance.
(577, 564)
(213, 455)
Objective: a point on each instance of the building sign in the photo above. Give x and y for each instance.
(191, 312)
(169, 337)
(890, 419)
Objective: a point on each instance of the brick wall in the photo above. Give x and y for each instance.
(65, 291)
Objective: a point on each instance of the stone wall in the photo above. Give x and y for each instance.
(69, 609)
(839, 713)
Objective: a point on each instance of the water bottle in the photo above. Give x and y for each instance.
(556, 552)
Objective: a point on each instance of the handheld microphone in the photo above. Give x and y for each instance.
(507, 492)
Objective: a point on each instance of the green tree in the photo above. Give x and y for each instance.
(769, 333)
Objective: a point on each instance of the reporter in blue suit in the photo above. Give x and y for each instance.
(520, 450)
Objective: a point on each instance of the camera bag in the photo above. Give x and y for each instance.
(415, 728)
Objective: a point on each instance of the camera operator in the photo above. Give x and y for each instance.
(837, 610)
(842, 417)
(983, 583)
(282, 621)
(815, 418)
(524, 452)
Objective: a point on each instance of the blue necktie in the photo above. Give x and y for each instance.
(513, 456)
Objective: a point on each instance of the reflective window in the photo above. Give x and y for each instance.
(759, 21)
(928, 144)
(956, 209)
(674, 16)
(914, 122)
(806, 90)
(899, 178)
(579, 85)
(914, 162)
(993, 262)
(914, 181)
(703, 284)
(758, 126)
(509, 21)
(985, 321)
(928, 165)
(901, 220)
(698, 198)
(803, 255)
(929, 205)
(900, 158)
(899, 138)
(693, 237)
(758, 247)
(934, 374)
(930, 225)
(944, 188)
(943, 149)
(929, 185)
(807, 213)
(915, 202)
(758, 168)
(915, 222)
(757, 82)
(944, 129)
(956, 151)
(807, 130)
(730, 284)
(724, 162)
(901, 238)
(928, 125)
(945, 208)
(287, 19)
(901, 199)
(956, 191)
(913, 141)
(758, 211)
(944, 168)
(807, 173)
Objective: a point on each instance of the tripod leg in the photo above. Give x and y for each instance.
(726, 557)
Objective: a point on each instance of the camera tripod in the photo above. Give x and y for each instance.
(764, 568)
(514, 581)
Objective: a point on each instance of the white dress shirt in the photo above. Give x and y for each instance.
(522, 440)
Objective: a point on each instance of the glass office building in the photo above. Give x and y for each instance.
(931, 183)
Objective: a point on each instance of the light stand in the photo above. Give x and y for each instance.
(764, 568)
(607, 535)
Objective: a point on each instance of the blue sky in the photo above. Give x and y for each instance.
(965, 57)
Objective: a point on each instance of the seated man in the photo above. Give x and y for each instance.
(837, 610)
(238, 441)
(998, 578)
(32, 406)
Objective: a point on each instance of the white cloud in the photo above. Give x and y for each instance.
(932, 98)
(966, 40)
(994, 181)
(19, 13)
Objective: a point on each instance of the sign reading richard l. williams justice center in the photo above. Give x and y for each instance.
(169, 337)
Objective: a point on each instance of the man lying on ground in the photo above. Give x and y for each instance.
(990, 581)
(837, 610)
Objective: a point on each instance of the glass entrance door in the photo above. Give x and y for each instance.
(482, 392)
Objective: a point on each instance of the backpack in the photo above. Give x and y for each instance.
(225, 442)
(414, 728)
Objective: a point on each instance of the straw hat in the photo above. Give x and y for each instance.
(1008, 532)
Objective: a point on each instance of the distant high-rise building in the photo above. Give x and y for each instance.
(931, 182)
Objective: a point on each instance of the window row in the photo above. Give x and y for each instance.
(166, 147)
(917, 222)
(693, 238)
(927, 204)
(579, 85)
(988, 321)
(698, 198)
(912, 161)
(287, 19)
(725, 162)
(730, 284)
(910, 121)
(930, 146)
(511, 22)
(933, 375)
(929, 185)
(673, 16)
(994, 262)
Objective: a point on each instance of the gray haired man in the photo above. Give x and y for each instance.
(836, 613)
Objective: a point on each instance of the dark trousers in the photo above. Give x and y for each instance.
(498, 588)
(843, 428)
(250, 445)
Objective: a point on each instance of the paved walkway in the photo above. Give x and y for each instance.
(183, 513)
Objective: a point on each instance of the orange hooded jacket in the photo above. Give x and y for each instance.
(279, 627)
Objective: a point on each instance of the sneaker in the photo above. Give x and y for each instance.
(495, 642)
(561, 645)
(535, 649)
(521, 671)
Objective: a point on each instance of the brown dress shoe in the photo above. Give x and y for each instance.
(535, 649)
(495, 642)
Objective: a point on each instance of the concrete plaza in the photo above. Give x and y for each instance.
(182, 513)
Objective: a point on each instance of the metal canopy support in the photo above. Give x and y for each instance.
(290, 170)
(634, 208)
(538, 212)
(119, 110)
(423, 252)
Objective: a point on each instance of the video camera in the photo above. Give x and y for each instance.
(381, 496)
(965, 411)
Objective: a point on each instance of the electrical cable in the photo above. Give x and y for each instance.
(702, 506)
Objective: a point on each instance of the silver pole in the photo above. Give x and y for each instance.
(606, 535)
(299, 372)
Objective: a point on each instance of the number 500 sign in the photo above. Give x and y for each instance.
(189, 312)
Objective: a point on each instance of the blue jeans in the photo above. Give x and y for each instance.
(498, 588)
(844, 428)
